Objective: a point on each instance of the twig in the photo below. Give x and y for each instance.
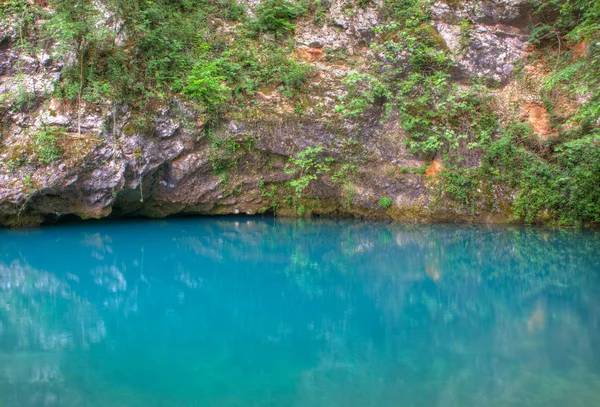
(559, 46)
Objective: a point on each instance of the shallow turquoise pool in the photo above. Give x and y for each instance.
(271, 312)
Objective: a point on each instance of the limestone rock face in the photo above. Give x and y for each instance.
(111, 166)
(489, 47)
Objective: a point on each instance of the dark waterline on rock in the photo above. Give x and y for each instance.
(240, 311)
(71, 220)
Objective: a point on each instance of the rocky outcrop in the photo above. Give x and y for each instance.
(109, 165)
(487, 38)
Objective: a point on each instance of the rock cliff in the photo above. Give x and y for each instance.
(293, 156)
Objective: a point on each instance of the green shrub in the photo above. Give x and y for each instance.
(363, 90)
(46, 146)
(465, 33)
(460, 184)
(293, 76)
(23, 99)
(21, 14)
(276, 16)
(232, 10)
(413, 78)
(249, 63)
(307, 166)
(580, 161)
(301, 210)
(572, 22)
(207, 86)
(385, 202)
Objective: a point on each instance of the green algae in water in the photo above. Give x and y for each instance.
(264, 312)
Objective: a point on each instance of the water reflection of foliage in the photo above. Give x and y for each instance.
(468, 276)
(38, 311)
(517, 292)
(40, 317)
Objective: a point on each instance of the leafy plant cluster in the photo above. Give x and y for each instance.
(571, 32)
(232, 76)
(225, 153)
(212, 51)
(46, 145)
(559, 181)
(21, 17)
(555, 181)
(307, 166)
(276, 16)
(561, 188)
(413, 79)
(385, 202)
(140, 52)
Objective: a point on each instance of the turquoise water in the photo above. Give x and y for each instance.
(272, 312)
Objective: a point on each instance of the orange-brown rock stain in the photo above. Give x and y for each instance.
(310, 54)
(539, 119)
(434, 169)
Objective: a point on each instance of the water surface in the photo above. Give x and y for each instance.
(272, 312)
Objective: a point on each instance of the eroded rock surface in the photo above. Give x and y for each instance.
(111, 167)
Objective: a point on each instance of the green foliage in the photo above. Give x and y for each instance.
(292, 76)
(206, 85)
(73, 23)
(580, 164)
(460, 184)
(561, 189)
(411, 170)
(232, 10)
(344, 173)
(248, 64)
(166, 34)
(413, 79)
(239, 69)
(409, 12)
(574, 22)
(21, 16)
(534, 179)
(349, 193)
(301, 211)
(466, 28)
(28, 183)
(75, 26)
(23, 98)
(385, 202)
(46, 146)
(154, 61)
(364, 3)
(276, 16)
(307, 166)
(436, 113)
(152, 50)
(226, 153)
(363, 90)
(318, 9)
(270, 193)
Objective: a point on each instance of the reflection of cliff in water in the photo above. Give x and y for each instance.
(450, 271)
(41, 318)
(40, 312)
(443, 303)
